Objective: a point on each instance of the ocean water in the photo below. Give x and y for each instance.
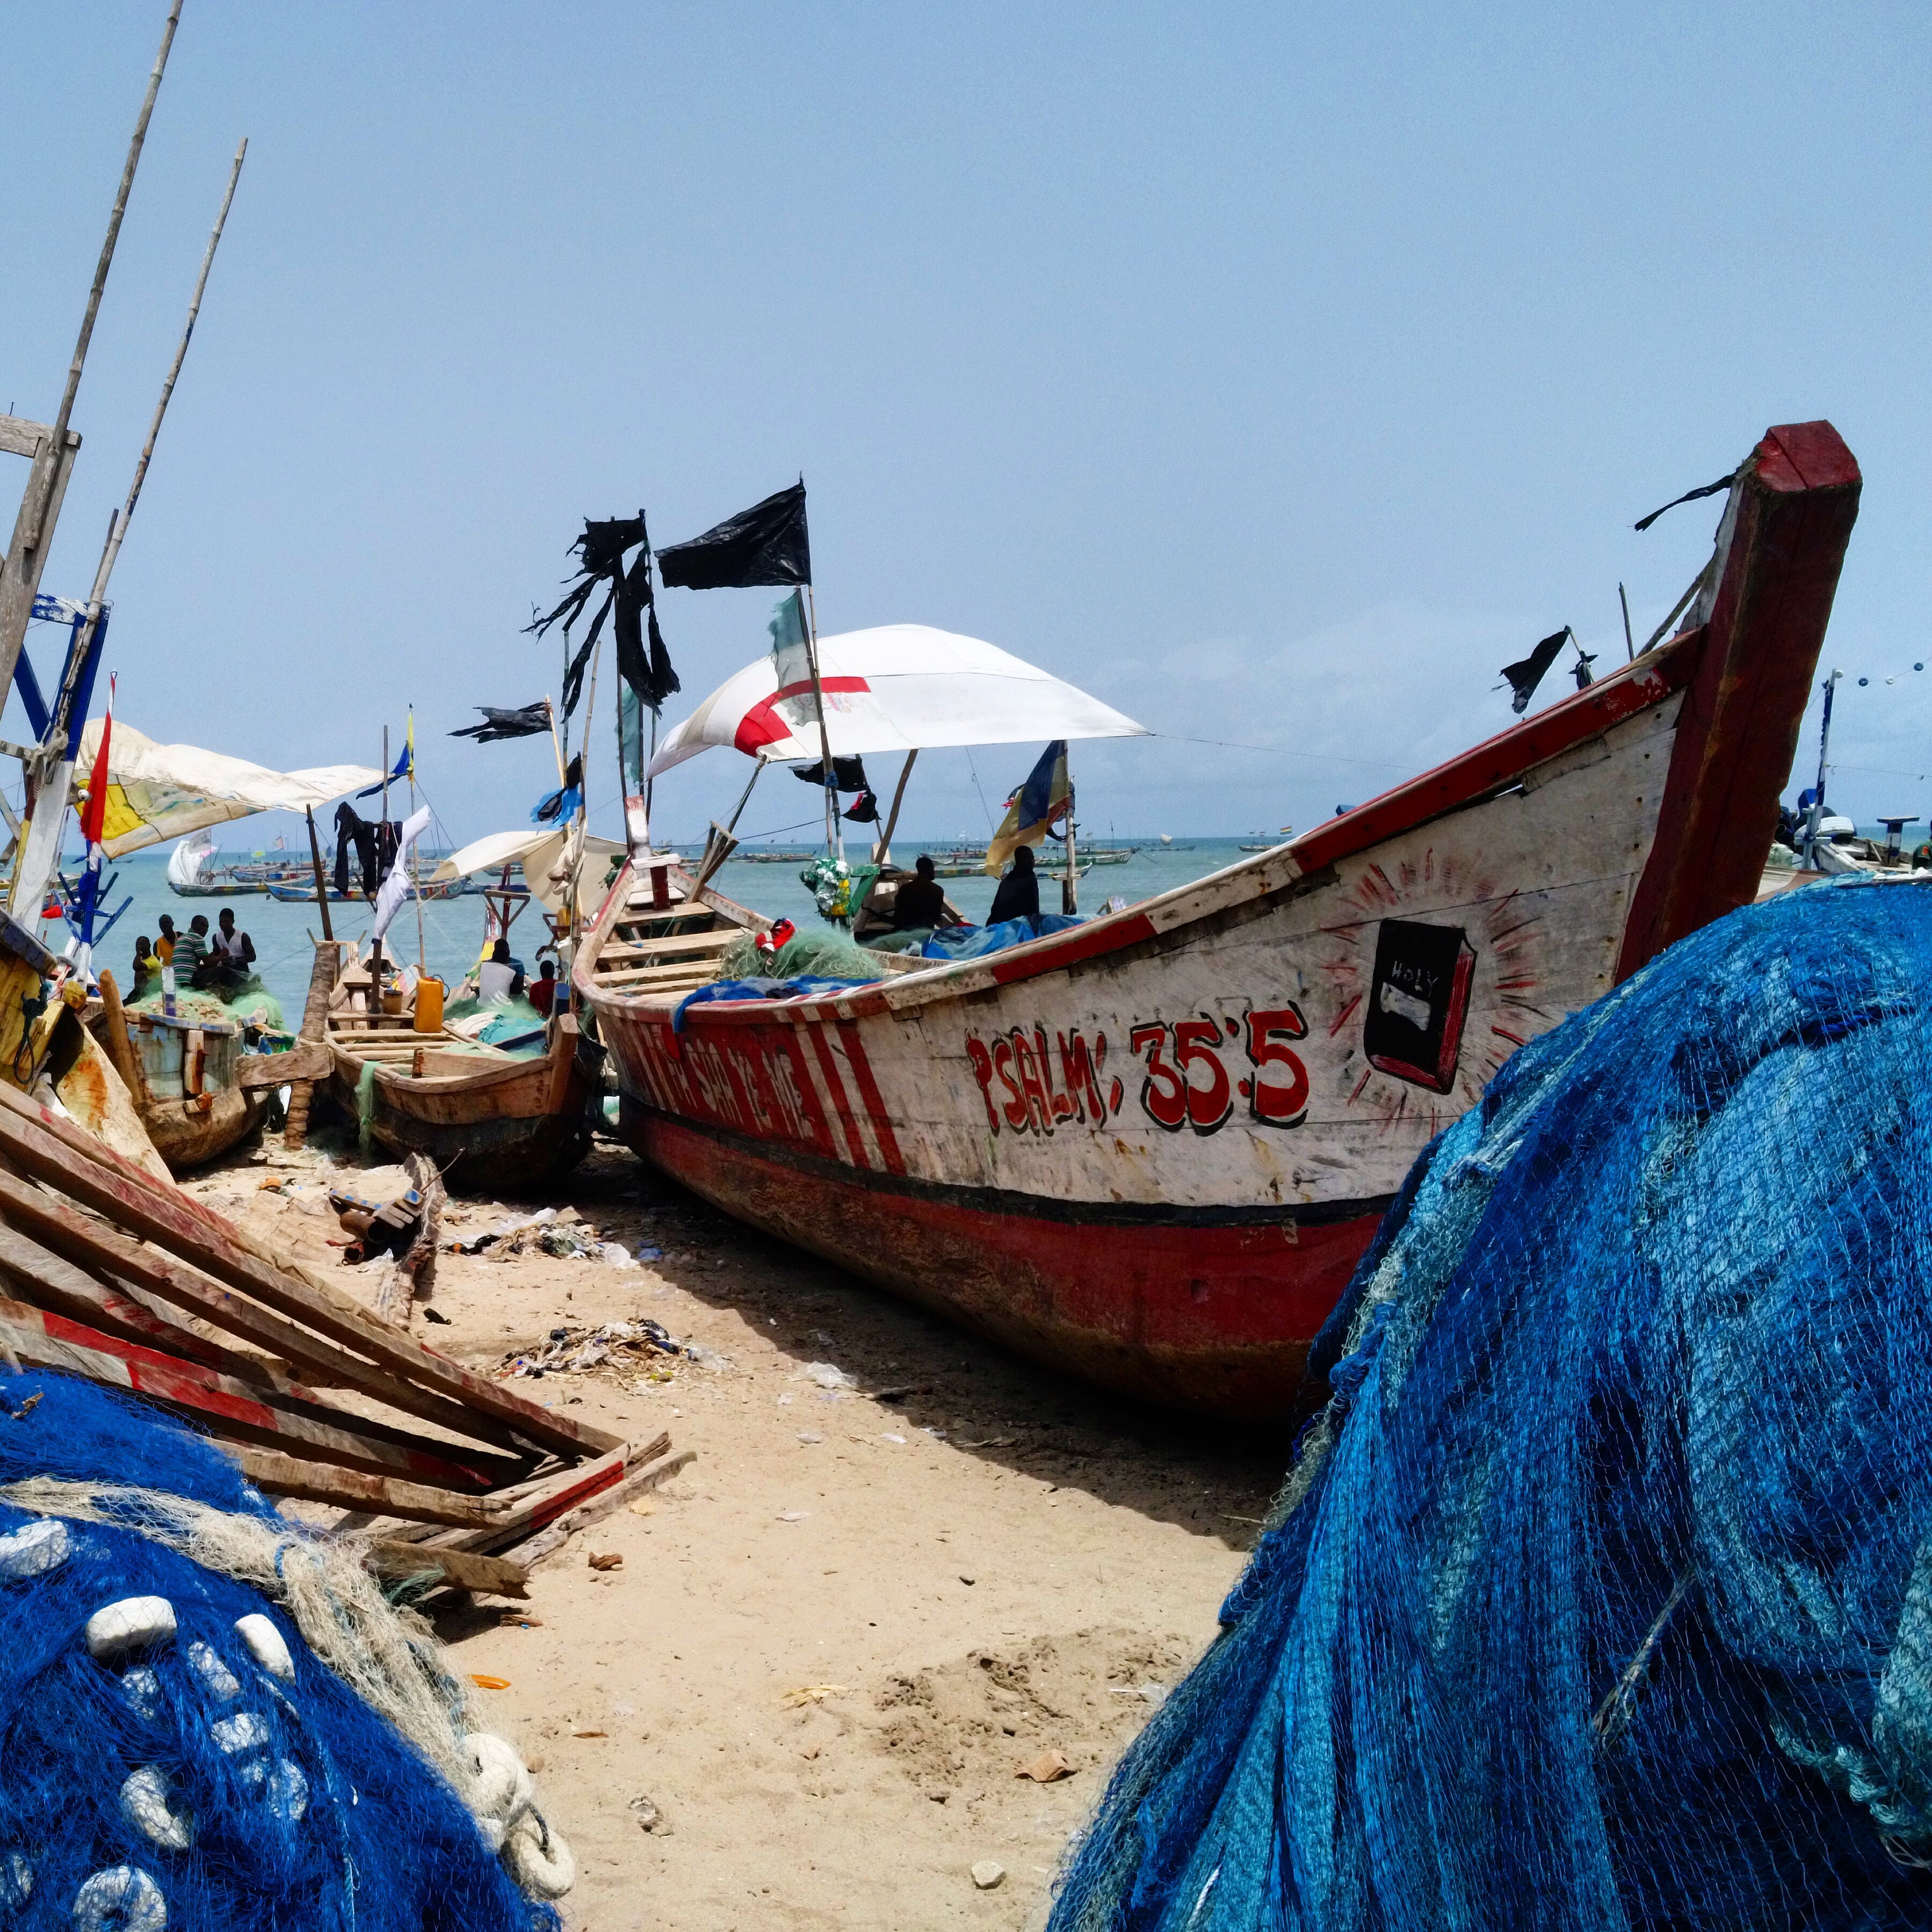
(452, 929)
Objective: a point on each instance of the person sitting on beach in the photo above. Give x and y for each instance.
(147, 966)
(1018, 896)
(920, 901)
(542, 992)
(190, 954)
(164, 947)
(499, 977)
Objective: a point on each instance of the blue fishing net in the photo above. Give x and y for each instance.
(292, 1803)
(1601, 1596)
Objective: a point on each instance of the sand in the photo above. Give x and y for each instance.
(801, 1697)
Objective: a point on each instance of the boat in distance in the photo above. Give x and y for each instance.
(1151, 1149)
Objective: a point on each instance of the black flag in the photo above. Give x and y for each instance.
(524, 722)
(602, 547)
(847, 774)
(767, 544)
(1525, 675)
(865, 808)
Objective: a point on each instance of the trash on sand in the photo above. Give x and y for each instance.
(648, 1816)
(483, 1683)
(587, 1731)
(828, 1377)
(606, 1559)
(629, 1345)
(793, 1516)
(1047, 1768)
(1149, 1692)
(525, 1619)
(811, 1693)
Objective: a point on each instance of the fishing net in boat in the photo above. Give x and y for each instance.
(251, 1004)
(1600, 1595)
(213, 1722)
(809, 956)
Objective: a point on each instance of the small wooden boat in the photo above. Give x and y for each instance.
(513, 1120)
(1151, 1149)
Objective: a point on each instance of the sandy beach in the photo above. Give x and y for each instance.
(803, 1695)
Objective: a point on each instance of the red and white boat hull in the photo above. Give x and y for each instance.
(1151, 1150)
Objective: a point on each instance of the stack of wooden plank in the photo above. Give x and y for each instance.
(108, 1273)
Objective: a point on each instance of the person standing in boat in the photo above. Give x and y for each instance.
(1018, 896)
(499, 977)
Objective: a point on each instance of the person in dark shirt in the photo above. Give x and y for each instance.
(1018, 896)
(920, 902)
(542, 991)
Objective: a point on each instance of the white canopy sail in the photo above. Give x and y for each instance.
(896, 688)
(160, 791)
(539, 849)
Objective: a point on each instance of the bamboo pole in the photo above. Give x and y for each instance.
(53, 771)
(882, 853)
(321, 884)
(835, 840)
(33, 515)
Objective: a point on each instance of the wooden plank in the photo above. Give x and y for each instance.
(677, 946)
(461, 1569)
(165, 1216)
(284, 1476)
(47, 1281)
(88, 1242)
(532, 1549)
(230, 1407)
(19, 437)
(306, 1060)
(82, 1239)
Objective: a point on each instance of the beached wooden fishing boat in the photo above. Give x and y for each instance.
(514, 1114)
(501, 1119)
(1151, 1149)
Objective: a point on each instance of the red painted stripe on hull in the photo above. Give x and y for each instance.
(1218, 1318)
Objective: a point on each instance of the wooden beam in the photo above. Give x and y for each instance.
(229, 1407)
(532, 1549)
(163, 1215)
(461, 1569)
(82, 1239)
(284, 1476)
(306, 1060)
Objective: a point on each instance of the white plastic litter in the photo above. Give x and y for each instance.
(828, 1377)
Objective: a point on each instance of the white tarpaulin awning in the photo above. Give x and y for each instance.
(540, 850)
(160, 791)
(898, 687)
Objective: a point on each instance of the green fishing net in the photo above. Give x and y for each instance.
(815, 956)
(251, 1004)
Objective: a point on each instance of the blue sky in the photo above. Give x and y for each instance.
(1275, 373)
